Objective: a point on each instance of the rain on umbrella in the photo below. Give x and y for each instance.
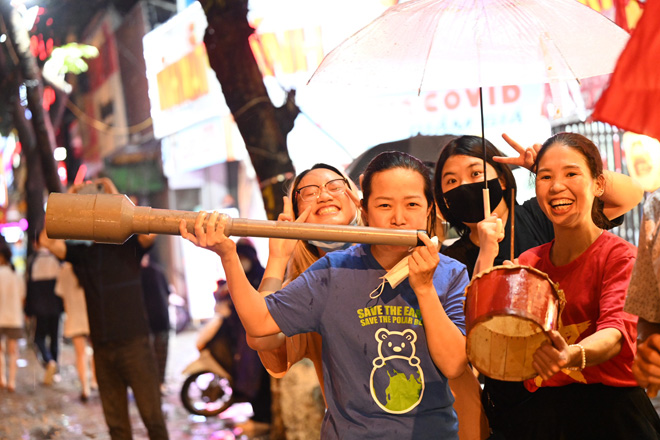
(425, 45)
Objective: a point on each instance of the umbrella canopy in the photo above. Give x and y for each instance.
(425, 148)
(440, 44)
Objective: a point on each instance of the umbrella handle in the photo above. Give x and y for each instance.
(486, 202)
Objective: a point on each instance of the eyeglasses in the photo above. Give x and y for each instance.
(312, 192)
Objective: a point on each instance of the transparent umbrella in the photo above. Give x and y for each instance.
(425, 45)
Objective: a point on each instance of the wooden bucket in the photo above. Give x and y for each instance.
(508, 311)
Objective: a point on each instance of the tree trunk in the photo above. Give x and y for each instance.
(56, 112)
(45, 138)
(262, 126)
(34, 183)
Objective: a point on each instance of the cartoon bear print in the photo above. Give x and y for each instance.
(397, 381)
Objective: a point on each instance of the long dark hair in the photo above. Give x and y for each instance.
(296, 182)
(468, 146)
(388, 160)
(592, 157)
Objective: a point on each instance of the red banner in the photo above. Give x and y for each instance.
(631, 100)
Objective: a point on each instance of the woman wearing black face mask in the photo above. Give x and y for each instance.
(459, 183)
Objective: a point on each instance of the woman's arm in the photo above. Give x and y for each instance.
(622, 193)
(491, 232)
(598, 348)
(445, 341)
(270, 342)
(279, 253)
(266, 343)
(249, 303)
(55, 246)
(207, 332)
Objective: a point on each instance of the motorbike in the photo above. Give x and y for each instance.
(208, 389)
(223, 373)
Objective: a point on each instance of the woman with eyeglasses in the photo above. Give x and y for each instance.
(324, 195)
(321, 194)
(386, 355)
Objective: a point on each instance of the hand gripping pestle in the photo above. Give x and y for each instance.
(113, 218)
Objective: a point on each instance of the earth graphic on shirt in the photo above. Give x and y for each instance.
(397, 381)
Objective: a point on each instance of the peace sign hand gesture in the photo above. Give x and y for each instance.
(281, 247)
(527, 157)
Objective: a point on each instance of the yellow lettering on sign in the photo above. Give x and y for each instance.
(293, 51)
(184, 80)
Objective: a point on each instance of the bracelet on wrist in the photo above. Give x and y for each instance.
(583, 362)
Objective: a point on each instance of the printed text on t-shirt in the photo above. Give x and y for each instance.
(384, 314)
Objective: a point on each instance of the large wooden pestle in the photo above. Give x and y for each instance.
(113, 218)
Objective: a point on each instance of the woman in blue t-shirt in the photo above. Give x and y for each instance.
(388, 346)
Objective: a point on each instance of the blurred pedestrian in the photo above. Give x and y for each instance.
(250, 377)
(76, 326)
(209, 334)
(123, 355)
(155, 288)
(44, 306)
(12, 296)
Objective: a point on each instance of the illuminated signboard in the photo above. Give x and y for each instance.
(643, 159)
(183, 89)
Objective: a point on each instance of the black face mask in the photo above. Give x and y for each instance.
(466, 202)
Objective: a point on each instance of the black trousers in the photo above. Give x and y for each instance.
(579, 411)
(48, 326)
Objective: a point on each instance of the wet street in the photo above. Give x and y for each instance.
(36, 411)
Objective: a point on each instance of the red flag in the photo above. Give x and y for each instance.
(632, 100)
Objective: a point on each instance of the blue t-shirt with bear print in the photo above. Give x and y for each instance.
(380, 380)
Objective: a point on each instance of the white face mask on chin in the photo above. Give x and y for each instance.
(329, 246)
(396, 275)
